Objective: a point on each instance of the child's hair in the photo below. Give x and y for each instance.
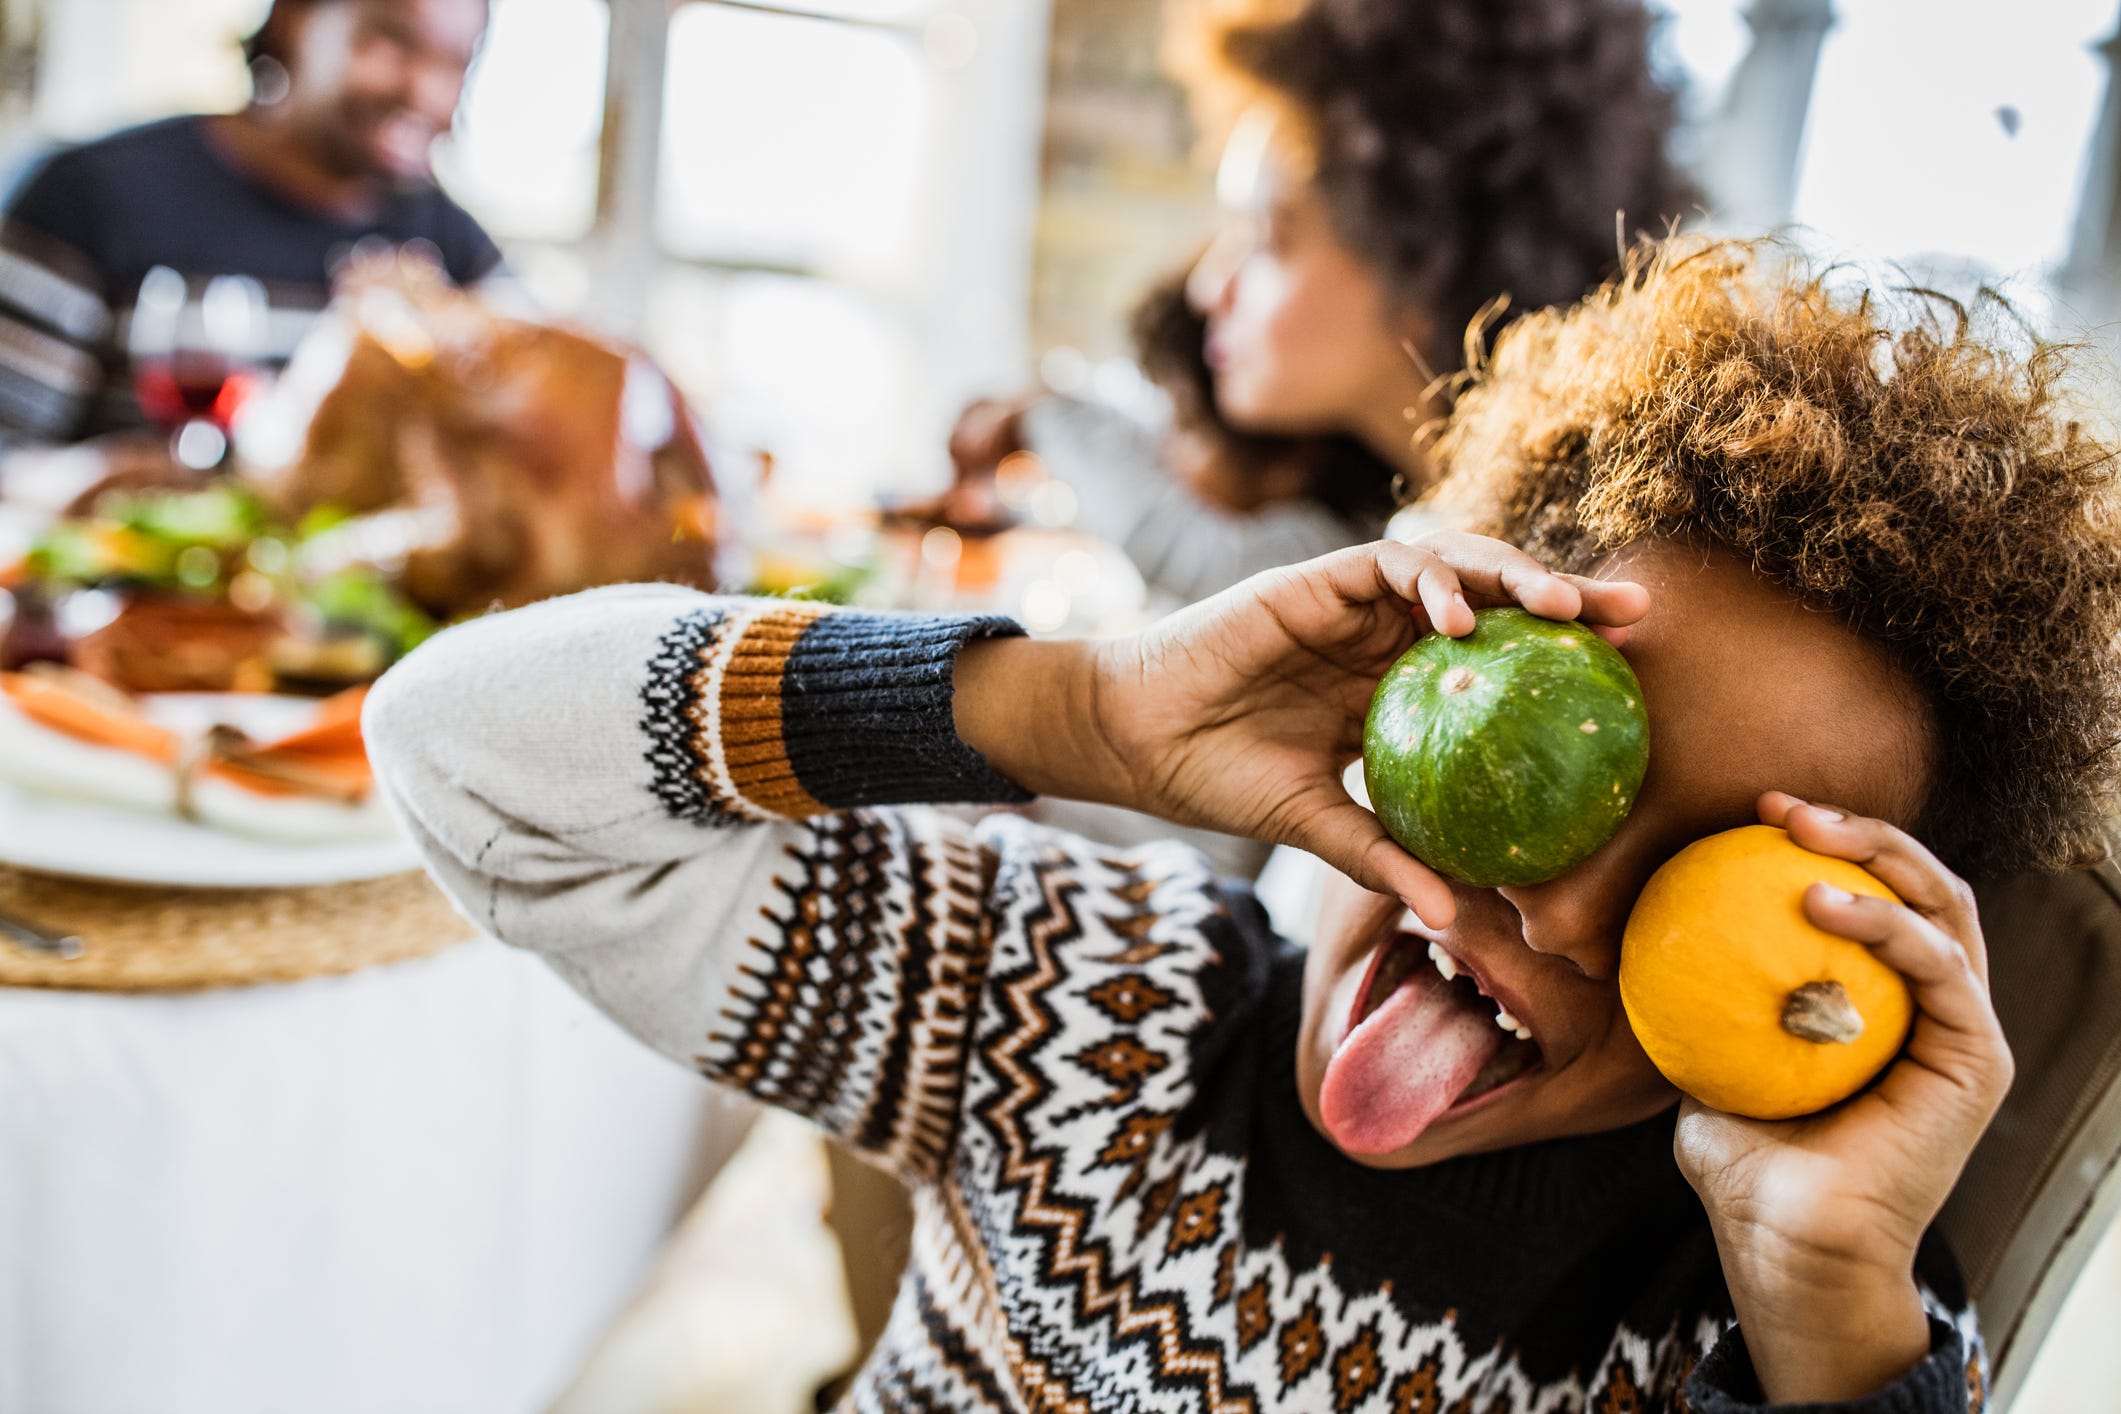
(1170, 345)
(1467, 149)
(1901, 461)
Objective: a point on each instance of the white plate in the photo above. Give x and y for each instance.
(84, 840)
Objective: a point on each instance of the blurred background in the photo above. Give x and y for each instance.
(833, 225)
(836, 221)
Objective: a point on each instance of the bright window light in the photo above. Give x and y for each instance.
(792, 141)
(875, 11)
(1954, 129)
(1701, 41)
(815, 372)
(524, 153)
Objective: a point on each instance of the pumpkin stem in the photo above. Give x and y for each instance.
(1822, 1012)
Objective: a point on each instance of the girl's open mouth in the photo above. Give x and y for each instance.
(1424, 1042)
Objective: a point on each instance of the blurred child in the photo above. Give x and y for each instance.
(1197, 504)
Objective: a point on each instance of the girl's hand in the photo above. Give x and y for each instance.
(987, 433)
(1240, 713)
(1817, 1219)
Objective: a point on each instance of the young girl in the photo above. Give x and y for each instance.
(1870, 584)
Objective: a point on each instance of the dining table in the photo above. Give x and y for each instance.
(320, 1150)
(279, 1131)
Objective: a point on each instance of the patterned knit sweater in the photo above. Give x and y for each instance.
(703, 813)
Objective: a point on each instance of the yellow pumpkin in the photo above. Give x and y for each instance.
(1739, 999)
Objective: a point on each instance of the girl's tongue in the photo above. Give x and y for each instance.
(1406, 1062)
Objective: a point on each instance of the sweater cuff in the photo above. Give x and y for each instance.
(1724, 1382)
(762, 709)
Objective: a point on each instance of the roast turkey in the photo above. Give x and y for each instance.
(487, 460)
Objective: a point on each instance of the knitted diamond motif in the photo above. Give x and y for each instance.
(1357, 1370)
(1415, 1392)
(1199, 1221)
(1303, 1344)
(1129, 997)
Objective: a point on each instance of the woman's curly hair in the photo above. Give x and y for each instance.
(1171, 346)
(1901, 461)
(1468, 149)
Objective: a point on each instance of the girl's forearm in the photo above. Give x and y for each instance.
(1029, 706)
(1824, 1343)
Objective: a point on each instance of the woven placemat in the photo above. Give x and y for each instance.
(163, 940)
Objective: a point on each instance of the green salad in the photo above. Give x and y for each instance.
(220, 543)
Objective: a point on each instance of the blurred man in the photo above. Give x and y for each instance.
(332, 151)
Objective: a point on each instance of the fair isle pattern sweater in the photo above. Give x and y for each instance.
(704, 812)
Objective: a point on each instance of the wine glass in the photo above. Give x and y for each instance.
(195, 360)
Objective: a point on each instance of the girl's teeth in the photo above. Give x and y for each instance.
(1448, 966)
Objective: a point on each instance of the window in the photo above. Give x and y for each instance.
(792, 141)
(1952, 130)
(1700, 42)
(524, 153)
(1951, 138)
(816, 213)
(818, 372)
(102, 64)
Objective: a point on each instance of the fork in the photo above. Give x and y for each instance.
(22, 935)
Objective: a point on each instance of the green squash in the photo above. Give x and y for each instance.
(1507, 756)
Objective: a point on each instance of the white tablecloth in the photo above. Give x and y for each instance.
(423, 1187)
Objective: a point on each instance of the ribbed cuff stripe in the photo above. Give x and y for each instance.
(753, 712)
(757, 709)
(866, 712)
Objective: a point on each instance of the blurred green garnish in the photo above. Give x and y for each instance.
(358, 598)
(221, 517)
(320, 519)
(165, 539)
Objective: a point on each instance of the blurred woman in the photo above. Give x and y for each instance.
(331, 152)
(1395, 172)
(1191, 496)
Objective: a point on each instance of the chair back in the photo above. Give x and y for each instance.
(2045, 1182)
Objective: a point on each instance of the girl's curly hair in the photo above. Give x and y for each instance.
(1901, 461)
(1468, 149)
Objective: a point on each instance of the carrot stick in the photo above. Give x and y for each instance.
(336, 728)
(51, 704)
(324, 758)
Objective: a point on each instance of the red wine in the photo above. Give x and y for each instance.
(191, 389)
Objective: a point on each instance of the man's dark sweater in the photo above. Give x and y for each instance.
(87, 226)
